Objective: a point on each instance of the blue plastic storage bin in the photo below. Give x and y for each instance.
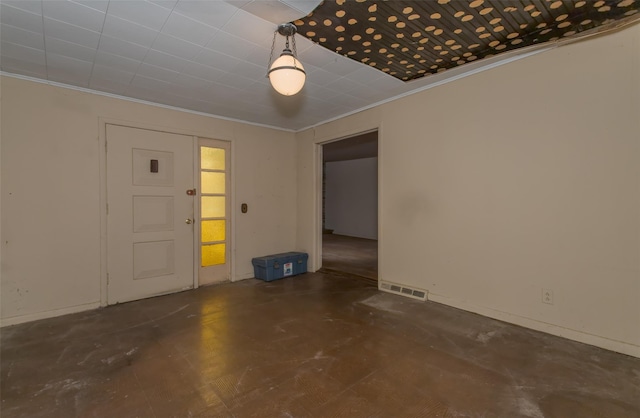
(277, 266)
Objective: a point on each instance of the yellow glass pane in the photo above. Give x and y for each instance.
(211, 158)
(212, 207)
(213, 230)
(212, 182)
(213, 254)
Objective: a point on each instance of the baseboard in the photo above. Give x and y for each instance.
(243, 277)
(350, 235)
(19, 319)
(571, 334)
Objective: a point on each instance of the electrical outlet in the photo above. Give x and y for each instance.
(547, 296)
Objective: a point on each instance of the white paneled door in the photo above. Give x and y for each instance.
(150, 216)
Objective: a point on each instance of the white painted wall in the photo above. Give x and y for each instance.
(351, 204)
(519, 178)
(51, 200)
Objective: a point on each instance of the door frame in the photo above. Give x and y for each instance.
(318, 144)
(102, 145)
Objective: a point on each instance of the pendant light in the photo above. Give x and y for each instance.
(286, 74)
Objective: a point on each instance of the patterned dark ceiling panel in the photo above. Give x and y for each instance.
(411, 39)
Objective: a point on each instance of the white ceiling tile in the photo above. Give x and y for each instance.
(260, 56)
(116, 61)
(223, 91)
(22, 53)
(19, 17)
(20, 36)
(194, 83)
(142, 12)
(244, 25)
(238, 3)
(319, 76)
(386, 82)
(178, 90)
(211, 13)
(129, 31)
(176, 47)
(231, 45)
(100, 72)
(99, 5)
(119, 47)
(251, 71)
(68, 70)
(320, 92)
(158, 73)
(264, 81)
(156, 87)
(352, 87)
(31, 6)
(60, 61)
(212, 108)
(188, 29)
(342, 65)
(74, 13)
(16, 66)
(273, 11)
(71, 33)
(217, 60)
(304, 7)
(317, 56)
(68, 49)
(367, 74)
(234, 104)
(236, 81)
(195, 69)
(302, 44)
(257, 92)
(160, 59)
(167, 4)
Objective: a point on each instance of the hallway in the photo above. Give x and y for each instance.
(314, 345)
(357, 256)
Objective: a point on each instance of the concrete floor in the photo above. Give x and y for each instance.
(357, 256)
(314, 345)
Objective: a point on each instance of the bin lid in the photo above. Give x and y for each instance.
(282, 258)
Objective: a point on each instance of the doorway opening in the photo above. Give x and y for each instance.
(350, 206)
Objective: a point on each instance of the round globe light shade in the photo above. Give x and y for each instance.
(287, 75)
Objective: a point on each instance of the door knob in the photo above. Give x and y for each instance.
(188, 221)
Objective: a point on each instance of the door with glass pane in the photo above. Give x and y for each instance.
(214, 211)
